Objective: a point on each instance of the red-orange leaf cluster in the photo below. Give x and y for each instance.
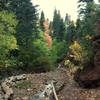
(48, 38)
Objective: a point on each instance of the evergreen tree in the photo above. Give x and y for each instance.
(85, 7)
(4, 4)
(70, 32)
(78, 28)
(51, 28)
(62, 30)
(56, 20)
(58, 26)
(85, 1)
(97, 21)
(85, 27)
(86, 18)
(42, 19)
(67, 20)
(26, 14)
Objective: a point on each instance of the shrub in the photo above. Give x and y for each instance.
(8, 42)
(42, 55)
(60, 49)
(82, 52)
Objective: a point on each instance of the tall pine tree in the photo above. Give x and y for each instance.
(71, 31)
(42, 19)
(86, 17)
(27, 16)
(58, 26)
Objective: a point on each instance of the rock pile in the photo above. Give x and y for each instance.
(7, 84)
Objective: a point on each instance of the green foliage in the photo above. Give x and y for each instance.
(58, 32)
(60, 49)
(3, 5)
(97, 23)
(82, 52)
(23, 85)
(85, 1)
(7, 40)
(27, 17)
(87, 50)
(86, 22)
(79, 28)
(85, 29)
(67, 20)
(56, 20)
(31, 48)
(70, 32)
(58, 26)
(42, 19)
(7, 23)
(61, 30)
(43, 58)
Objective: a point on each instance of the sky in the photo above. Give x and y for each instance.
(65, 6)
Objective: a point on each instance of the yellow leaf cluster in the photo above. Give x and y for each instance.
(75, 45)
(76, 50)
(66, 62)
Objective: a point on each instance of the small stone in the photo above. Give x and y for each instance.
(25, 98)
(17, 98)
(29, 90)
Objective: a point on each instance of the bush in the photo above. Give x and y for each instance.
(42, 56)
(82, 52)
(7, 40)
(60, 49)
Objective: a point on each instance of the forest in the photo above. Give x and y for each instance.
(35, 47)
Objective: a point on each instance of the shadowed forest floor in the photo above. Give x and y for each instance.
(72, 91)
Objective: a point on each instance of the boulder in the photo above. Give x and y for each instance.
(88, 78)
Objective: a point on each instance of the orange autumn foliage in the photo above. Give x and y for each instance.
(48, 38)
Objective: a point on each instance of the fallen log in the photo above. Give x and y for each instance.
(49, 93)
(54, 91)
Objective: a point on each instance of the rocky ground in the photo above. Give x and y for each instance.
(67, 88)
